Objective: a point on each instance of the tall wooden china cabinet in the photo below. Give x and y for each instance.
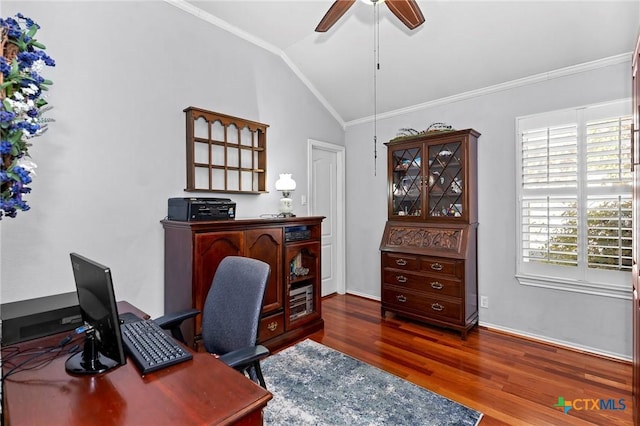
(429, 245)
(635, 274)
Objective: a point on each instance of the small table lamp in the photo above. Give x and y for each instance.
(285, 184)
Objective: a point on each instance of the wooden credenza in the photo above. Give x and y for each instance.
(291, 246)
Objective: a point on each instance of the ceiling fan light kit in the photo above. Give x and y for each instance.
(407, 11)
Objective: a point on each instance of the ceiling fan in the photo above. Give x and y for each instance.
(406, 10)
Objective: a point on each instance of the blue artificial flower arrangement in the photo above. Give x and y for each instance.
(22, 106)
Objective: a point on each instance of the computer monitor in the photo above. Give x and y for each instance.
(103, 348)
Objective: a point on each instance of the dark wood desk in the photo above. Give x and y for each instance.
(197, 392)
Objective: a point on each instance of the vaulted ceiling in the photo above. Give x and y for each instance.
(463, 46)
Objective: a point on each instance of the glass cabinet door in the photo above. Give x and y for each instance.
(446, 180)
(406, 185)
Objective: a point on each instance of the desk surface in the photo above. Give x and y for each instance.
(201, 391)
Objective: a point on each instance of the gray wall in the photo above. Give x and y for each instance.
(596, 323)
(116, 153)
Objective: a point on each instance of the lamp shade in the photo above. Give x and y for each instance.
(285, 183)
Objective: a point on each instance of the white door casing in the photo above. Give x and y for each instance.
(327, 198)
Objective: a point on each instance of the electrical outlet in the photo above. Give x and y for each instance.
(484, 302)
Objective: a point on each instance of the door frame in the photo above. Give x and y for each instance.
(339, 150)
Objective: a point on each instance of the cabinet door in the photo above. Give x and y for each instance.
(303, 281)
(266, 245)
(210, 249)
(406, 182)
(446, 179)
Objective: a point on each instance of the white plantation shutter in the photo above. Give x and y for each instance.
(574, 193)
(609, 232)
(550, 157)
(609, 187)
(549, 230)
(549, 174)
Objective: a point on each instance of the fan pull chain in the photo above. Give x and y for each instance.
(376, 67)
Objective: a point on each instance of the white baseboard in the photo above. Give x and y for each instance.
(557, 342)
(364, 295)
(532, 336)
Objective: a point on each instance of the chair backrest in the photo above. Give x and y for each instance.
(231, 315)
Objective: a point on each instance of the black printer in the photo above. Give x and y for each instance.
(187, 209)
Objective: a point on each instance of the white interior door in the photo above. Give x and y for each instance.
(326, 198)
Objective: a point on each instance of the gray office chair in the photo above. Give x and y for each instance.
(231, 315)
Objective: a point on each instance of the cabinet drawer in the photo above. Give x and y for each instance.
(271, 326)
(427, 283)
(400, 261)
(439, 265)
(422, 304)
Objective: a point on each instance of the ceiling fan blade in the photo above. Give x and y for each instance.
(407, 11)
(335, 12)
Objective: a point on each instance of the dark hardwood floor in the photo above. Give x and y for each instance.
(511, 380)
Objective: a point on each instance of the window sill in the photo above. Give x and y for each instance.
(598, 289)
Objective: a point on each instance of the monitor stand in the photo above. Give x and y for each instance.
(90, 360)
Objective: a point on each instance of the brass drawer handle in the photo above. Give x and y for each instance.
(436, 267)
(436, 285)
(272, 326)
(437, 307)
(401, 262)
(401, 278)
(401, 298)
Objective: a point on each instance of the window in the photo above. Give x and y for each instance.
(574, 187)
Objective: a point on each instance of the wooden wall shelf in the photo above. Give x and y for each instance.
(225, 153)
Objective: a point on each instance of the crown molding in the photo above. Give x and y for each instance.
(313, 90)
(205, 16)
(224, 25)
(550, 75)
(545, 76)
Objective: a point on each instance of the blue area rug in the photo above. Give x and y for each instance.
(316, 385)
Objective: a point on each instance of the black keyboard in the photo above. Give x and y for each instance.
(150, 347)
